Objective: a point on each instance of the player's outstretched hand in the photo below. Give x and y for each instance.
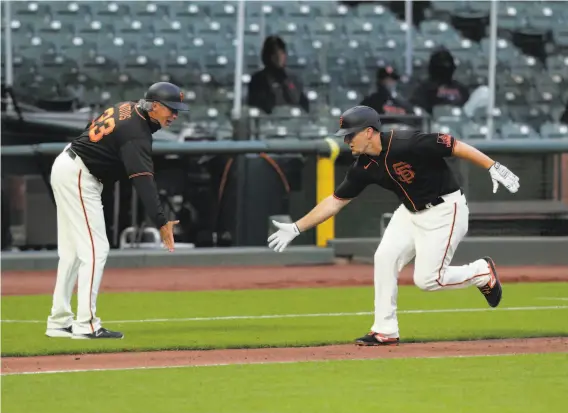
(281, 238)
(167, 234)
(501, 175)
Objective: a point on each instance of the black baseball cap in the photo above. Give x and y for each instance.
(356, 119)
(168, 95)
(387, 71)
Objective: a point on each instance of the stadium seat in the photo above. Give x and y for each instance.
(509, 95)
(333, 48)
(449, 6)
(510, 130)
(472, 130)
(453, 129)
(442, 113)
(511, 15)
(500, 115)
(556, 112)
(554, 131)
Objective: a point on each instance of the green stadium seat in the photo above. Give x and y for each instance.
(534, 116)
(509, 95)
(554, 131)
(472, 130)
(452, 128)
(449, 6)
(556, 112)
(510, 130)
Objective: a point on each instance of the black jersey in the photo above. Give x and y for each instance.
(411, 164)
(119, 142)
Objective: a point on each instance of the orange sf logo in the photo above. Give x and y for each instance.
(181, 96)
(404, 172)
(341, 121)
(445, 140)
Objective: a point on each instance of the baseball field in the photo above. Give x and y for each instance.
(279, 340)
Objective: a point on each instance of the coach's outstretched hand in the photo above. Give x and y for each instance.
(281, 238)
(167, 234)
(502, 175)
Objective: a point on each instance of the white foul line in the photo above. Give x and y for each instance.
(281, 316)
(253, 363)
(554, 298)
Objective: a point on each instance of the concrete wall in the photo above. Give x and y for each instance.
(202, 257)
(504, 250)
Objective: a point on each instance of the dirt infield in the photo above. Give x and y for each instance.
(121, 361)
(227, 278)
(236, 278)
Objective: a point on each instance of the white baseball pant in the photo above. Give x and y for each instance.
(82, 244)
(432, 236)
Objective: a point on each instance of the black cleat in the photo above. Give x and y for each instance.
(492, 290)
(100, 333)
(59, 332)
(376, 339)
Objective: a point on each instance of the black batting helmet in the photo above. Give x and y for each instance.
(167, 94)
(356, 119)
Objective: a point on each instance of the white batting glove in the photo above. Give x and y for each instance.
(501, 175)
(281, 238)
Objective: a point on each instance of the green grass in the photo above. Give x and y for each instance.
(512, 384)
(29, 339)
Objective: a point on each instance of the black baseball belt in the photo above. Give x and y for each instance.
(439, 200)
(71, 153)
(73, 156)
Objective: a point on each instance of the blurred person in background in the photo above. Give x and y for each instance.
(274, 86)
(440, 88)
(387, 99)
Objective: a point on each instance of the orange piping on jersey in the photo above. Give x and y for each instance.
(387, 168)
(369, 164)
(141, 174)
(136, 109)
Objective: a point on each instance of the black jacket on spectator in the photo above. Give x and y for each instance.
(386, 100)
(274, 86)
(440, 88)
(385, 103)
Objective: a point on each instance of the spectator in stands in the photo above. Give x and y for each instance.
(387, 100)
(274, 86)
(440, 88)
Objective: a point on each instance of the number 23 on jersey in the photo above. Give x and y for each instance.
(102, 126)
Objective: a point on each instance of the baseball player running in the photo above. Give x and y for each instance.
(118, 141)
(430, 223)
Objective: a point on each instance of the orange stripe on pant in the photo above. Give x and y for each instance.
(92, 250)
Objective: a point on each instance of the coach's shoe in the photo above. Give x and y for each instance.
(376, 339)
(100, 333)
(59, 332)
(492, 290)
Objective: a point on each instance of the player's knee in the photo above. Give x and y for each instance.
(102, 250)
(425, 280)
(385, 257)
